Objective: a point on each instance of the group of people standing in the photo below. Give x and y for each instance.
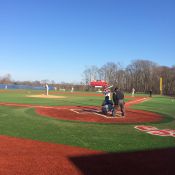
(117, 99)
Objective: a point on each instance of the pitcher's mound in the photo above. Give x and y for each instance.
(45, 96)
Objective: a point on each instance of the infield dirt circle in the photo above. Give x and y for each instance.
(93, 113)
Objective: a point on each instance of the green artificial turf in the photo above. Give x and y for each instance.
(25, 123)
(20, 96)
(162, 105)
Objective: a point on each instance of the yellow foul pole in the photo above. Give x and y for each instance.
(161, 86)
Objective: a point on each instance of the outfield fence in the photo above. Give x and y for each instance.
(14, 86)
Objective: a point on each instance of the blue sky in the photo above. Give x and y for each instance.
(58, 39)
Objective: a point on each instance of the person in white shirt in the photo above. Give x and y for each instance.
(47, 89)
(133, 92)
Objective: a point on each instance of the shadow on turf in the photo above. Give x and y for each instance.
(154, 162)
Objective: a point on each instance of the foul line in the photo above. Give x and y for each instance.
(140, 100)
(74, 110)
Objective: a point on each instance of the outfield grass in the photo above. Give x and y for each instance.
(25, 123)
(20, 96)
(162, 105)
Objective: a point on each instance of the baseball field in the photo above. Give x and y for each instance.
(66, 134)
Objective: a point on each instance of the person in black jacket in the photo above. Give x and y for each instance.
(108, 102)
(150, 92)
(118, 99)
(107, 106)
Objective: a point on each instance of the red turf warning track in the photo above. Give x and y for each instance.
(28, 157)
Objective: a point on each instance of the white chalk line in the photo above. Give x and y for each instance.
(118, 114)
(140, 100)
(76, 110)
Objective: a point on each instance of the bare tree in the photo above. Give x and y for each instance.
(90, 74)
(6, 79)
(110, 72)
(140, 74)
(168, 75)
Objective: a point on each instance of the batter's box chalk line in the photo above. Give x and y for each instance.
(96, 112)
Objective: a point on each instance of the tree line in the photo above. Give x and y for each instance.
(142, 75)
